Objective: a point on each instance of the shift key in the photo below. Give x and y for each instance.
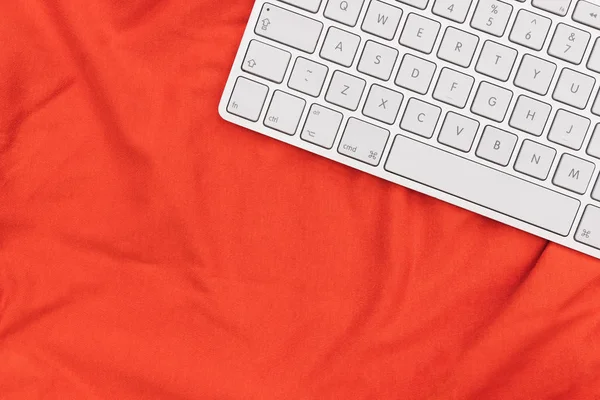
(266, 61)
(288, 28)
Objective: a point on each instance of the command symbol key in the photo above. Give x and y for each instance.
(589, 227)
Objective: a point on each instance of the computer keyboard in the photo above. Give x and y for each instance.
(490, 105)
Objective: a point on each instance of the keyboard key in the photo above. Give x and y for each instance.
(496, 61)
(491, 16)
(594, 146)
(587, 13)
(340, 47)
(491, 101)
(535, 74)
(569, 43)
(382, 20)
(285, 112)
(455, 10)
(481, 185)
(573, 174)
(419, 33)
(345, 90)
(420, 118)
(383, 104)
(530, 30)
(535, 160)
(415, 74)
(458, 132)
(344, 11)
(530, 115)
(569, 129)
(496, 145)
(377, 60)
(594, 61)
(420, 4)
(363, 141)
(558, 7)
(453, 88)
(596, 106)
(308, 5)
(588, 231)
(322, 126)
(266, 61)
(574, 88)
(458, 47)
(289, 28)
(247, 99)
(308, 77)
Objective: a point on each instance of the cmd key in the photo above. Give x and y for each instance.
(288, 28)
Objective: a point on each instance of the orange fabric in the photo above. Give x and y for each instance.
(150, 250)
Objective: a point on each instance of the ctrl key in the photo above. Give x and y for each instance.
(363, 141)
(247, 99)
(589, 227)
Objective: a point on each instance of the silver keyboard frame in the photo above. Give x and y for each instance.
(379, 171)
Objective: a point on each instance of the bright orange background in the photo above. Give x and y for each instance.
(150, 250)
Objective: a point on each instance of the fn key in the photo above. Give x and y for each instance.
(247, 99)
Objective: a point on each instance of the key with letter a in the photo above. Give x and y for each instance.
(382, 20)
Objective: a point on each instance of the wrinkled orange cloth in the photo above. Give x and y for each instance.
(150, 250)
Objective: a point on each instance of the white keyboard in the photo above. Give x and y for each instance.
(490, 105)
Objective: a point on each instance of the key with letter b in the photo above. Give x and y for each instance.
(496, 145)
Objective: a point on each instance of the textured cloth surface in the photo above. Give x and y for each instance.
(150, 250)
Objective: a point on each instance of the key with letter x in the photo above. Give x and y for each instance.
(383, 104)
